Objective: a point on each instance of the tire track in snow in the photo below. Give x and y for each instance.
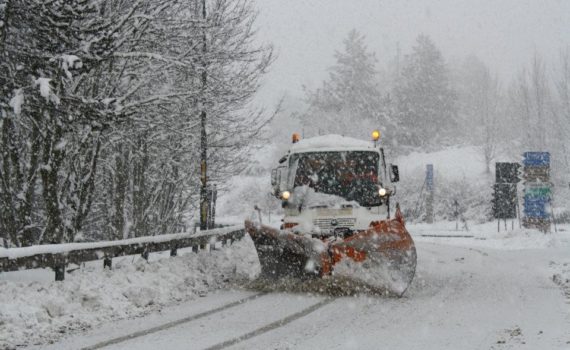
(173, 323)
(277, 324)
(561, 277)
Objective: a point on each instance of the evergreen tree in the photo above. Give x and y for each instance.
(425, 101)
(350, 101)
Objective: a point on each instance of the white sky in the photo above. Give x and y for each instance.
(503, 33)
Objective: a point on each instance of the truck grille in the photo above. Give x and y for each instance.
(325, 224)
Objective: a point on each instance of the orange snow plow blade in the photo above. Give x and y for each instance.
(382, 257)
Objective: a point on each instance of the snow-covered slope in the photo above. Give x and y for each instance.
(454, 163)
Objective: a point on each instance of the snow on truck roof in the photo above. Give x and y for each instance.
(331, 143)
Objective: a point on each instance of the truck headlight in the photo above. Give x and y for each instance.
(286, 195)
(382, 192)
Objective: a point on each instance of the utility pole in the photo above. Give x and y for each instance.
(203, 135)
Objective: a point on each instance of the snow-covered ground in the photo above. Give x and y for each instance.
(504, 290)
(475, 289)
(34, 309)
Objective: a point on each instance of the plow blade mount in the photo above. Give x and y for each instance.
(383, 257)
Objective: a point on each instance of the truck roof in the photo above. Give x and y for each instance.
(331, 143)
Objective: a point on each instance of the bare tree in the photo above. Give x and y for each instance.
(563, 111)
(530, 107)
(164, 139)
(480, 106)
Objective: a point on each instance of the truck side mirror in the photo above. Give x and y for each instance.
(278, 175)
(394, 173)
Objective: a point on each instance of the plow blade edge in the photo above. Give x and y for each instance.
(383, 257)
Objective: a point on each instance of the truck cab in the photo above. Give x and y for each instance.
(334, 185)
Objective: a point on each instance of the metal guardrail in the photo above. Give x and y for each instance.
(57, 257)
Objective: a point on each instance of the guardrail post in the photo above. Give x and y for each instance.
(195, 249)
(59, 272)
(108, 262)
(145, 254)
(174, 251)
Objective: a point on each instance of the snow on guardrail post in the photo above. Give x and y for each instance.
(212, 243)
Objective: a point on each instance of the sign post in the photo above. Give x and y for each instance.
(430, 190)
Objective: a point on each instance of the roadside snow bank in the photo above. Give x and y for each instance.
(561, 276)
(486, 236)
(41, 312)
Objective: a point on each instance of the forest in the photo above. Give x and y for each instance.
(100, 112)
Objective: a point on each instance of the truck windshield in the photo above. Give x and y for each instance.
(352, 175)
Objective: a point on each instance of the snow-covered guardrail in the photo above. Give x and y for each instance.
(57, 256)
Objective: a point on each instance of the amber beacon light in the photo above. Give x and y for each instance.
(375, 135)
(296, 137)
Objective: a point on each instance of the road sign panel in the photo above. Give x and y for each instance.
(536, 159)
(507, 172)
(505, 201)
(538, 192)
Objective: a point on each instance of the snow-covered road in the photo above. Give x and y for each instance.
(464, 296)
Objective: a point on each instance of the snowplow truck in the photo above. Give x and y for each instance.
(336, 193)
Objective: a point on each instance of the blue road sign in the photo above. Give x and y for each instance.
(540, 213)
(535, 207)
(429, 177)
(536, 159)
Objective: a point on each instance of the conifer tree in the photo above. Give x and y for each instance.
(425, 101)
(350, 101)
